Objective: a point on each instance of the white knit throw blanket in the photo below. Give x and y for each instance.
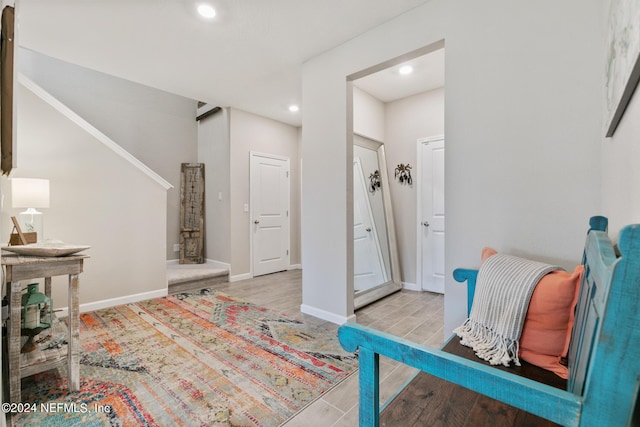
(503, 289)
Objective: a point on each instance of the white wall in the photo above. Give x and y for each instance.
(214, 152)
(249, 132)
(96, 198)
(523, 115)
(620, 154)
(620, 171)
(156, 127)
(368, 115)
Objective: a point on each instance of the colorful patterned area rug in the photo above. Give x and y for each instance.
(204, 359)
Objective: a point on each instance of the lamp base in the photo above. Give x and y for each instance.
(31, 222)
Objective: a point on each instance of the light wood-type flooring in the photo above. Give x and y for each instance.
(417, 316)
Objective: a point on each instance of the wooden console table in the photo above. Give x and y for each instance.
(19, 268)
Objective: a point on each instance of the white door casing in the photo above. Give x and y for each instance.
(368, 264)
(269, 219)
(431, 214)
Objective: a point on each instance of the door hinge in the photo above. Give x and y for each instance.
(287, 174)
(287, 213)
(287, 251)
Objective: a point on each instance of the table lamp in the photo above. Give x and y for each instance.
(30, 193)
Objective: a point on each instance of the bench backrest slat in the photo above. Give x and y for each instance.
(598, 260)
(613, 376)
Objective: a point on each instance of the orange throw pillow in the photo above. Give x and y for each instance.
(547, 327)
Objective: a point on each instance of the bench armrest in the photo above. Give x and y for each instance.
(546, 401)
(462, 274)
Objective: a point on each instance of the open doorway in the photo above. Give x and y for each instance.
(394, 104)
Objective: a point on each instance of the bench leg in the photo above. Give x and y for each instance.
(369, 377)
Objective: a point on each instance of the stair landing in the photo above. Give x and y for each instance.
(191, 277)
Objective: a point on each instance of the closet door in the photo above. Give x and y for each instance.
(270, 189)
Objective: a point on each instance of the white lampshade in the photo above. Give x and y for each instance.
(29, 193)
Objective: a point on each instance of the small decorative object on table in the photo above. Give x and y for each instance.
(37, 315)
(32, 194)
(20, 238)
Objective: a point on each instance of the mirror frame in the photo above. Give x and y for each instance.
(367, 296)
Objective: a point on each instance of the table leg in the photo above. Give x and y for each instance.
(73, 335)
(15, 302)
(47, 286)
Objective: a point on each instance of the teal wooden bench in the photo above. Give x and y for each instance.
(604, 353)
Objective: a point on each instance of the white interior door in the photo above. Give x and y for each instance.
(368, 265)
(269, 177)
(432, 222)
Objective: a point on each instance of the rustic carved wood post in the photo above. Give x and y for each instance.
(192, 213)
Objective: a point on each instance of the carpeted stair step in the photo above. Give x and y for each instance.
(190, 277)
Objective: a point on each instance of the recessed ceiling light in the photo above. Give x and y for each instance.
(294, 108)
(407, 69)
(206, 10)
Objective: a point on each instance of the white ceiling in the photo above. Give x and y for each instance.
(389, 85)
(249, 57)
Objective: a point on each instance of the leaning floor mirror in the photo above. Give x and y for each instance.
(376, 265)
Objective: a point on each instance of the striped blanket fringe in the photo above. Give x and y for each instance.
(487, 344)
(503, 289)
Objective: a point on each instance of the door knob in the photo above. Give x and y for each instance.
(368, 229)
(256, 222)
(425, 223)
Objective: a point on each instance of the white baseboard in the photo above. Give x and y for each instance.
(211, 262)
(326, 315)
(219, 264)
(97, 305)
(239, 277)
(411, 286)
(245, 276)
